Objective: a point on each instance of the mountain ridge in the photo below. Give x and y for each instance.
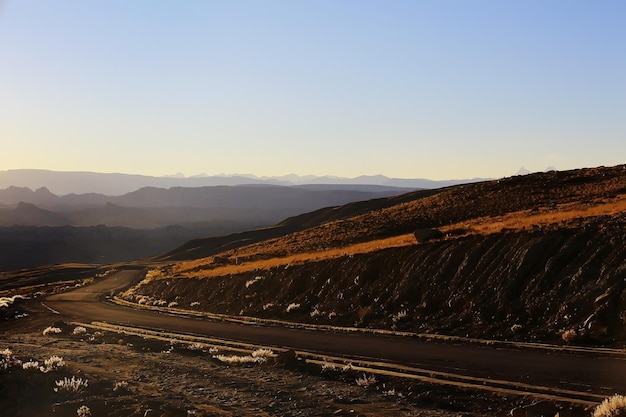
(81, 182)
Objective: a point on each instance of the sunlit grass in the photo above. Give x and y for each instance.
(246, 259)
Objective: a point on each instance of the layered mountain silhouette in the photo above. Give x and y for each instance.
(39, 227)
(63, 183)
(150, 207)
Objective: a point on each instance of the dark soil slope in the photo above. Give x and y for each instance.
(560, 279)
(527, 285)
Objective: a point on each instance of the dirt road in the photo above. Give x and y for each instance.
(594, 373)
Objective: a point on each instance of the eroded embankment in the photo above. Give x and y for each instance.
(513, 285)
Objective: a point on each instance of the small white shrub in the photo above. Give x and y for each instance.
(7, 360)
(614, 406)
(268, 305)
(366, 381)
(30, 365)
(196, 346)
(252, 281)
(70, 385)
(262, 354)
(400, 315)
(257, 356)
(51, 330)
(52, 363)
(120, 386)
(7, 301)
(234, 359)
(79, 330)
(83, 411)
(213, 350)
(316, 312)
(172, 304)
(293, 306)
(194, 304)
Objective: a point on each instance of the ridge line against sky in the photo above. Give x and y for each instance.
(406, 89)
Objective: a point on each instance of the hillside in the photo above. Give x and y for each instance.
(527, 257)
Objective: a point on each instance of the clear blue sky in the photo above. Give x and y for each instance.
(434, 89)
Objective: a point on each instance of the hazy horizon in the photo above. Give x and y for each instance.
(405, 89)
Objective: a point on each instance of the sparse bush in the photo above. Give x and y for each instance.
(400, 315)
(194, 304)
(268, 306)
(293, 306)
(213, 350)
(234, 359)
(30, 365)
(569, 336)
(78, 330)
(7, 359)
(366, 381)
(516, 328)
(51, 330)
(258, 356)
(70, 385)
(196, 346)
(172, 304)
(614, 406)
(121, 386)
(316, 312)
(262, 354)
(7, 301)
(252, 281)
(52, 363)
(83, 411)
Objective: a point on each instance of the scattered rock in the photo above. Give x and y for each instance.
(289, 359)
(424, 235)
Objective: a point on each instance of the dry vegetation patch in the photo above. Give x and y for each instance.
(109, 374)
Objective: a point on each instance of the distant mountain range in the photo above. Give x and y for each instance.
(149, 208)
(64, 183)
(51, 217)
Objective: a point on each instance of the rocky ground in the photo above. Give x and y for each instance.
(132, 376)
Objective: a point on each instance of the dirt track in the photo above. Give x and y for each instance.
(599, 374)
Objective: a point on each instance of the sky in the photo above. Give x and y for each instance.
(409, 89)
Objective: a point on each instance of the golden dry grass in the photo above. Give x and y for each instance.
(248, 257)
(202, 268)
(560, 215)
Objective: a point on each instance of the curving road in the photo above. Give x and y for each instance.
(594, 373)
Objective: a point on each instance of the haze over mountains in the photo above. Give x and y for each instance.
(149, 207)
(63, 183)
(54, 217)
